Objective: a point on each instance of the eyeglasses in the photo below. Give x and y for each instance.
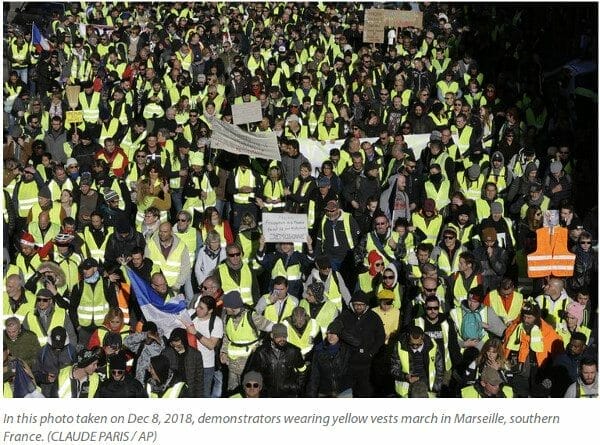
(43, 300)
(252, 385)
(118, 371)
(585, 242)
(432, 308)
(424, 94)
(381, 223)
(231, 255)
(388, 277)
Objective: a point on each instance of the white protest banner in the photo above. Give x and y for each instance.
(233, 139)
(285, 227)
(246, 113)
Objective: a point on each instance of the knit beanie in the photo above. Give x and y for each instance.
(318, 289)
(576, 310)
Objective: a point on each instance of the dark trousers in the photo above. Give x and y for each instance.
(361, 380)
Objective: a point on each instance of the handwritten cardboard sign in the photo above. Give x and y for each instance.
(374, 25)
(285, 227)
(404, 19)
(246, 113)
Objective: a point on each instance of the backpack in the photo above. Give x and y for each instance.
(470, 327)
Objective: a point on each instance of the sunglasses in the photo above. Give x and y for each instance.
(432, 308)
(378, 264)
(252, 385)
(449, 237)
(585, 242)
(44, 300)
(231, 255)
(118, 371)
(388, 277)
(428, 289)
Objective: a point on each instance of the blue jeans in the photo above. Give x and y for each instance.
(213, 382)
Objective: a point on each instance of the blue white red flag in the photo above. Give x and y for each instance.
(167, 315)
(39, 41)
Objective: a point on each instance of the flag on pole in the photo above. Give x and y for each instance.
(39, 41)
(167, 315)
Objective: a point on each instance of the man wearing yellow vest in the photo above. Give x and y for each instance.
(337, 234)
(489, 386)
(417, 361)
(170, 254)
(242, 332)
(46, 316)
(242, 185)
(554, 301)
(505, 300)
(17, 301)
(80, 381)
(236, 275)
(279, 304)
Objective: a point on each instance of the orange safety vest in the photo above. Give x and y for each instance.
(551, 256)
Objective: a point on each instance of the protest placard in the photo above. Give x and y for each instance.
(374, 24)
(246, 113)
(395, 18)
(285, 227)
(233, 139)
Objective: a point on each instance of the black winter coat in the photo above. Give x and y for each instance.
(128, 388)
(281, 369)
(330, 370)
(193, 367)
(365, 333)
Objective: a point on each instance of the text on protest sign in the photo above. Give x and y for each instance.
(404, 19)
(233, 139)
(374, 25)
(285, 227)
(246, 113)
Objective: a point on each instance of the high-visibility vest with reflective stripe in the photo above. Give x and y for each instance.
(536, 343)
(91, 110)
(172, 393)
(553, 316)
(189, 239)
(96, 252)
(498, 179)
(245, 286)
(129, 145)
(304, 341)
(54, 212)
(23, 310)
(483, 209)
(93, 306)
(197, 203)
(464, 233)
(432, 230)
(58, 319)
(565, 334)
(420, 322)
(470, 392)
(387, 250)
(459, 289)
(243, 339)
(170, 266)
(463, 141)
(292, 272)
(324, 317)
(347, 229)
(543, 207)
(244, 179)
(24, 269)
(551, 256)
(471, 189)
(441, 196)
(297, 186)
(109, 132)
(444, 263)
(64, 383)
(274, 190)
(19, 55)
(327, 134)
(515, 308)
(220, 229)
(56, 190)
(403, 386)
(271, 313)
(27, 196)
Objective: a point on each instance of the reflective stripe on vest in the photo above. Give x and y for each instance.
(403, 386)
(471, 189)
(189, 239)
(420, 322)
(243, 338)
(172, 393)
(551, 256)
(245, 286)
(170, 266)
(27, 197)
(64, 384)
(305, 341)
(58, 319)
(93, 305)
(244, 179)
(324, 317)
(271, 313)
(291, 272)
(441, 196)
(498, 306)
(432, 230)
(96, 252)
(91, 111)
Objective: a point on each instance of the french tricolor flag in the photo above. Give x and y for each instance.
(39, 41)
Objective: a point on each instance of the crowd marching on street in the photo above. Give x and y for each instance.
(451, 241)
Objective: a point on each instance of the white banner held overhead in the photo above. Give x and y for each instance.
(285, 227)
(246, 113)
(233, 139)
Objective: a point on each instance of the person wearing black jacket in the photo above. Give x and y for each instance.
(186, 361)
(122, 242)
(120, 384)
(280, 363)
(330, 372)
(363, 330)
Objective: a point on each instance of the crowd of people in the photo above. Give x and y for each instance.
(417, 275)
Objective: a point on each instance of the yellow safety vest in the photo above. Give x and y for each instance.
(515, 308)
(274, 190)
(463, 140)
(27, 196)
(431, 230)
(403, 386)
(64, 383)
(96, 252)
(444, 263)
(243, 339)
(347, 229)
(472, 189)
(304, 341)
(170, 266)
(324, 317)
(23, 310)
(470, 392)
(245, 286)
(58, 319)
(189, 239)
(91, 110)
(172, 393)
(271, 313)
(441, 196)
(420, 322)
(244, 179)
